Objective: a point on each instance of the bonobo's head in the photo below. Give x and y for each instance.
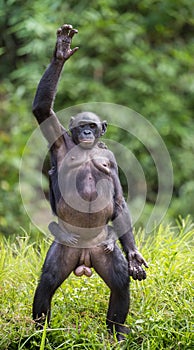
(86, 128)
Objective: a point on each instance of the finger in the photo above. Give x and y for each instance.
(144, 275)
(141, 275)
(73, 243)
(130, 270)
(74, 50)
(73, 32)
(106, 250)
(66, 27)
(59, 30)
(133, 272)
(145, 263)
(140, 258)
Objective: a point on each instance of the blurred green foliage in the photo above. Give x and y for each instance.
(138, 54)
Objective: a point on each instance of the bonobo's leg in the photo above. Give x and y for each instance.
(113, 269)
(59, 263)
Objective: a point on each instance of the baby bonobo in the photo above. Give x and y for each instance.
(85, 195)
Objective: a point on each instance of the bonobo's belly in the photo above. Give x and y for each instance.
(86, 197)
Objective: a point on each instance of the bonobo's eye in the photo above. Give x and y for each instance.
(81, 126)
(92, 125)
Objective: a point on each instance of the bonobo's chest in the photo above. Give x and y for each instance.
(85, 179)
(95, 161)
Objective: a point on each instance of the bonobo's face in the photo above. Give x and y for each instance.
(86, 134)
(86, 128)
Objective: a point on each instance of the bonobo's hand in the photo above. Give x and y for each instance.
(136, 261)
(64, 38)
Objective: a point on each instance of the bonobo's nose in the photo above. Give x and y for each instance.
(87, 132)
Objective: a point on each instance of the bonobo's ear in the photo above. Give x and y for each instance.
(104, 127)
(71, 122)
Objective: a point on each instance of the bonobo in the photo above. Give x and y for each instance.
(85, 195)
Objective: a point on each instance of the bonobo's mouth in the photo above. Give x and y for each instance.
(86, 143)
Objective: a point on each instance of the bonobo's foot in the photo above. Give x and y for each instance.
(108, 245)
(122, 333)
(120, 330)
(64, 38)
(136, 261)
(62, 236)
(40, 321)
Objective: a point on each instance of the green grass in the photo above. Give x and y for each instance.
(161, 307)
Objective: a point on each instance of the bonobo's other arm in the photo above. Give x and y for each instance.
(46, 91)
(123, 228)
(122, 223)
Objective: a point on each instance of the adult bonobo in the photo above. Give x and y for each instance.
(85, 194)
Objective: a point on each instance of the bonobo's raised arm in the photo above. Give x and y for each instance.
(46, 91)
